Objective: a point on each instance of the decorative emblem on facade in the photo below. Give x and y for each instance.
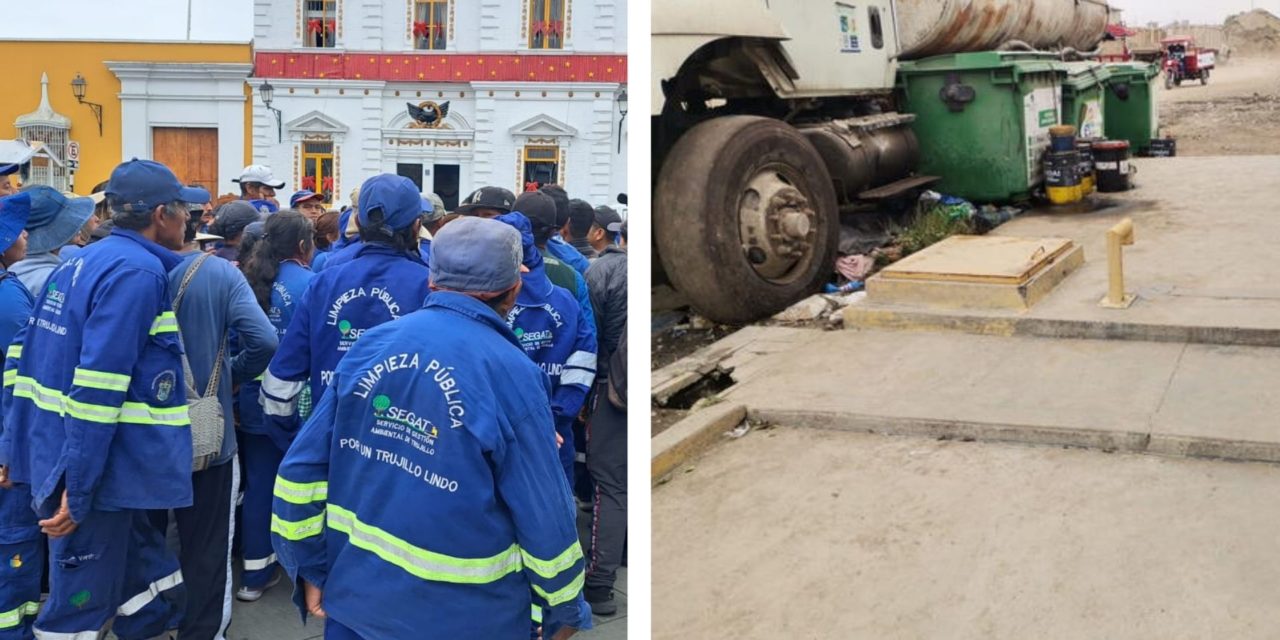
(428, 115)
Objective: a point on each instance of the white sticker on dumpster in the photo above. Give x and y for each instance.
(1091, 120)
(1040, 111)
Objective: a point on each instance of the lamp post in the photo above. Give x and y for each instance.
(78, 86)
(622, 109)
(268, 92)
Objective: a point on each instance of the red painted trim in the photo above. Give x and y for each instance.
(441, 67)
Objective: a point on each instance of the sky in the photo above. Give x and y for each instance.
(211, 20)
(1140, 12)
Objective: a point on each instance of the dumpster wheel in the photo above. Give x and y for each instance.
(745, 218)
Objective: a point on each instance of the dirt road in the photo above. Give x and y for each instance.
(1237, 113)
(881, 537)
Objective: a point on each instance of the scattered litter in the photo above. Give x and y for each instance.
(857, 297)
(856, 267)
(855, 241)
(810, 308)
(699, 323)
(708, 401)
(739, 431)
(852, 286)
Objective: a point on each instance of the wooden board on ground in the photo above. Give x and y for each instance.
(981, 260)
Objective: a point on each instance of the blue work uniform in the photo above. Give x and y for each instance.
(340, 256)
(261, 455)
(21, 547)
(340, 304)
(94, 404)
(568, 254)
(547, 322)
(423, 496)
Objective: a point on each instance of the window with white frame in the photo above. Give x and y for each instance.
(320, 23)
(546, 24)
(430, 24)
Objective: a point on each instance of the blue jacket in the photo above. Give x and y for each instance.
(340, 304)
(552, 331)
(219, 302)
(568, 254)
(424, 495)
(340, 256)
(289, 287)
(94, 391)
(17, 522)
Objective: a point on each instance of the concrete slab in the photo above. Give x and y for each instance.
(799, 533)
(1114, 395)
(948, 293)
(1203, 265)
(691, 436)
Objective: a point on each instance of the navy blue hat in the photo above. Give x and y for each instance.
(304, 195)
(475, 255)
(55, 218)
(144, 185)
(14, 211)
(396, 196)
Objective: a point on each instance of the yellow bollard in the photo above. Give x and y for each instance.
(1117, 237)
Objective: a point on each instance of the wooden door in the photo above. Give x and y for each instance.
(192, 154)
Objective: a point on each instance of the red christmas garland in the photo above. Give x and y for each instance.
(421, 29)
(328, 184)
(316, 25)
(309, 183)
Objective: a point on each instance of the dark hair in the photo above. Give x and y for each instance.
(138, 219)
(581, 217)
(326, 225)
(193, 227)
(282, 233)
(542, 233)
(561, 198)
(377, 231)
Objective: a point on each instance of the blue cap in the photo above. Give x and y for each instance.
(9, 169)
(396, 196)
(475, 255)
(144, 185)
(304, 195)
(55, 218)
(14, 211)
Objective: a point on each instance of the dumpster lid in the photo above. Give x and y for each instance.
(1084, 75)
(1122, 71)
(1022, 61)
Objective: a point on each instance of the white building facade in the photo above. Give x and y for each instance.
(507, 93)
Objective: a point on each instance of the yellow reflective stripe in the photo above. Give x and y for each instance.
(551, 568)
(140, 413)
(536, 613)
(15, 351)
(165, 323)
(564, 595)
(300, 493)
(100, 380)
(419, 562)
(13, 617)
(300, 530)
(10, 377)
(129, 412)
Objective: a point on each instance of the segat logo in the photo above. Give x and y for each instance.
(54, 295)
(385, 412)
(349, 332)
(162, 385)
(533, 337)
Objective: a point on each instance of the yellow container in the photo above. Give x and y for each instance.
(1065, 195)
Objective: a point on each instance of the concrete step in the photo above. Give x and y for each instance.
(1145, 397)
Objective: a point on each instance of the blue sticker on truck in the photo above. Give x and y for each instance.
(849, 43)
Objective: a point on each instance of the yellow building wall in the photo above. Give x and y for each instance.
(24, 61)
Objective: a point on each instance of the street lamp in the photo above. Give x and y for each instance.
(622, 109)
(78, 86)
(268, 92)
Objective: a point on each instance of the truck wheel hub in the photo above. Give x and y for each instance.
(776, 224)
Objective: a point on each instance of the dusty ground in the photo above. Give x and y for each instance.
(908, 538)
(1237, 113)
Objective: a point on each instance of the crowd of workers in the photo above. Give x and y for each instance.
(393, 405)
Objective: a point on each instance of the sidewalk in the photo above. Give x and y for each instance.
(1175, 399)
(799, 533)
(1203, 272)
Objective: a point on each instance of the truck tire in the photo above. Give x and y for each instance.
(745, 218)
(1168, 81)
(1204, 77)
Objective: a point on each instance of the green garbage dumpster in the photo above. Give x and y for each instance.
(1131, 110)
(1084, 97)
(982, 120)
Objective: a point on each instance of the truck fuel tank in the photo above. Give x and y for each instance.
(936, 27)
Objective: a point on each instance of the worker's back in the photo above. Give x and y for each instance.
(446, 509)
